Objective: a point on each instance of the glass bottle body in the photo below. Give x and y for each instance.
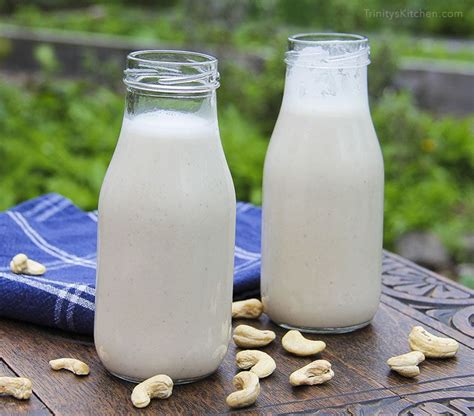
(166, 240)
(323, 193)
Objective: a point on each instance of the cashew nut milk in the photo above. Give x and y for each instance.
(166, 226)
(323, 191)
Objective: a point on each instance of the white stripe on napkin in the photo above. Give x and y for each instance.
(246, 255)
(45, 246)
(243, 206)
(93, 215)
(72, 304)
(53, 210)
(47, 288)
(48, 201)
(86, 289)
(55, 265)
(246, 266)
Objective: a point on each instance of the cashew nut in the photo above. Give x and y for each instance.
(297, 344)
(250, 309)
(18, 387)
(407, 364)
(249, 337)
(317, 372)
(75, 366)
(430, 345)
(160, 386)
(259, 362)
(248, 389)
(22, 264)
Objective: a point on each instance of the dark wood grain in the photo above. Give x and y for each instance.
(363, 383)
(429, 294)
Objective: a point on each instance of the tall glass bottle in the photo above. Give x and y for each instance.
(166, 225)
(323, 191)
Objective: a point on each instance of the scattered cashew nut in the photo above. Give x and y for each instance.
(294, 342)
(18, 387)
(407, 364)
(160, 386)
(249, 309)
(430, 345)
(22, 264)
(248, 389)
(247, 336)
(259, 362)
(317, 372)
(77, 367)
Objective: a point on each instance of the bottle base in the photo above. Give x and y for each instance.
(329, 330)
(175, 382)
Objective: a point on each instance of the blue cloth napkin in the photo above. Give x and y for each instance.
(52, 230)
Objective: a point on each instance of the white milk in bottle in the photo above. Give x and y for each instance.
(166, 226)
(323, 191)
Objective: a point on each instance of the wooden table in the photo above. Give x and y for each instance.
(362, 384)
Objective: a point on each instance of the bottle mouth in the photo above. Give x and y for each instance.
(171, 71)
(328, 50)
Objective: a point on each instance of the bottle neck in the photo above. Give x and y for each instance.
(327, 72)
(173, 82)
(139, 102)
(326, 89)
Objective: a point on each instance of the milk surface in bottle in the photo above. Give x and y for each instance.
(166, 226)
(323, 191)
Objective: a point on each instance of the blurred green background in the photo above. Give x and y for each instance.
(60, 115)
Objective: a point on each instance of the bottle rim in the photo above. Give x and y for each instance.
(171, 71)
(328, 50)
(327, 37)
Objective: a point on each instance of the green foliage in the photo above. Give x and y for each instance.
(56, 136)
(46, 58)
(383, 67)
(257, 94)
(467, 281)
(429, 168)
(245, 149)
(361, 15)
(259, 26)
(111, 19)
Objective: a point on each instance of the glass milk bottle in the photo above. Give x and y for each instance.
(323, 191)
(166, 226)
